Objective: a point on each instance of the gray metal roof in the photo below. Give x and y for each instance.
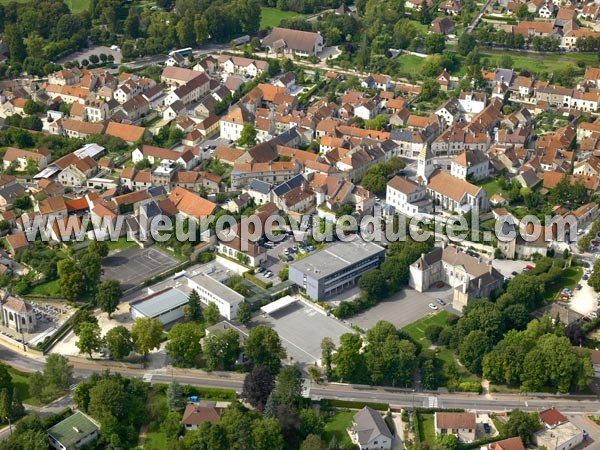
(288, 185)
(160, 302)
(336, 257)
(260, 186)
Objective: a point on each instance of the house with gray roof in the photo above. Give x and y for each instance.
(285, 40)
(369, 430)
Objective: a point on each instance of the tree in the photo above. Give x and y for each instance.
(118, 342)
(146, 334)
(175, 397)
(90, 339)
(36, 385)
(271, 407)
(373, 285)
(528, 289)
(522, 424)
(429, 89)
(349, 361)
(310, 422)
(244, 313)
(58, 373)
(183, 346)
(266, 435)
(472, 349)
(288, 386)
(69, 278)
(374, 182)
(434, 43)
(264, 349)
(284, 273)
(432, 332)
(247, 135)
(80, 317)
(108, 295)
(91, 269)
(193, 310)
(258, 385)
(327, 348)
(466, 43)
(211, 313)
(312, 442)
(98, 247)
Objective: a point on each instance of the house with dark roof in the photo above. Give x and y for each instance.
(369, 430)
(285, 40)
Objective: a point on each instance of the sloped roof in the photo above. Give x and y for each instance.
(368, 425)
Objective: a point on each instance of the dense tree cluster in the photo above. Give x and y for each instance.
(118, 403)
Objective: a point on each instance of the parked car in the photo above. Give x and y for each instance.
(487, 428)
(432, 306)
(585, 277)
(593, 314)
(440, 301)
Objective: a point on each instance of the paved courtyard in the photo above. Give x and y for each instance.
(301, 328)
(134, 265)
(404, 308)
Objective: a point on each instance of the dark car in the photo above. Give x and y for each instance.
(487, 428)
(513, 273)
(440, 301)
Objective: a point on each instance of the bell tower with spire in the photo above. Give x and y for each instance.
(425, 166)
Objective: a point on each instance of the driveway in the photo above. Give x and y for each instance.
(584, 299)
(583, 423)
(506, 266)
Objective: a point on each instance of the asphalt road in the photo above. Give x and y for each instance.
(396, 397)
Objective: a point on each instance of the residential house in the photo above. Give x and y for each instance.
(285, 40)
(442, 25)
(190, 205)
(16, 242)
(236, 65)
(558, 433)
(470, 164)
(461, 425)
(406, 197)
(197, 414)
(20, 158)
(369, 431)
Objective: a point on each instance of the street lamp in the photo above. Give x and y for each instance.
(9, 424)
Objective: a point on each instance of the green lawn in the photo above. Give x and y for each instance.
(337, 425)
(416, 330)
(75, 6)
(121, 244)
(410, 65)
(570, 277)
(490, 185)
(427, 428)
(272, 17)
(155, 440)
(20, 381)
(48, 289)
(536, 62)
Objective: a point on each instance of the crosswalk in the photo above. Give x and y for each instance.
(432, 402)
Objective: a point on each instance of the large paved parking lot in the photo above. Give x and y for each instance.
(301, 328)
(134, 265)
(403, 308)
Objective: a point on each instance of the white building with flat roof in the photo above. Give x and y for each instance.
(213, 291)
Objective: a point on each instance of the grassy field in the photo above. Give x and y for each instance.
(427, 428)
(541, 62)
(48, 289)
(75, 6)
(272, 17)
(20, 381)
(337, 425)
(416, 330)
(410, 65)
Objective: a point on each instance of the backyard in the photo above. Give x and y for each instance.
(490, 185)
(427, 428)
(272, 17)
(336, 425)
(537, 62)
(20, 381)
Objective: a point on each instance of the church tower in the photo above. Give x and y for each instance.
(425, 166)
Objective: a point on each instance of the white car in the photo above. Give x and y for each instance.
(593, 314)
(432, 306)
